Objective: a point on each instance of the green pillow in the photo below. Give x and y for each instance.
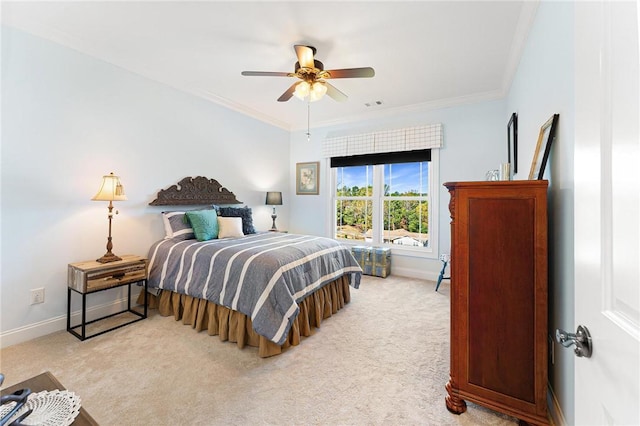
(204, 224)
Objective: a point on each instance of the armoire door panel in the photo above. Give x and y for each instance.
(500, 351)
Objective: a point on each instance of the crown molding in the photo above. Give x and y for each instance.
(523, 28)
(224, 102)
(425, 106)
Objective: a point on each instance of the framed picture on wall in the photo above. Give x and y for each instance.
(543, 147)
(512, 142)
(307, 178)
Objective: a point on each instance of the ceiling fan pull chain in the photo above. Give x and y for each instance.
(308, 121)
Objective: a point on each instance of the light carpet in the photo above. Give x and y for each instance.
(382, 360)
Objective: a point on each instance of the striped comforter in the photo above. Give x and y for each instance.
(263, 276)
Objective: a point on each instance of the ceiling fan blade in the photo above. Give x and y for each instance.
(288, 94)
(267, 74)
(334, 93)
(305, 55)
(366, 72)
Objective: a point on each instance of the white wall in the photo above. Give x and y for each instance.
(543, 86)
(475, 141)
(67, 119)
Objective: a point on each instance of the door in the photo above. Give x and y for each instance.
(607, 214)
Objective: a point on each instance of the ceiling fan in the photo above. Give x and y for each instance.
(313, 76)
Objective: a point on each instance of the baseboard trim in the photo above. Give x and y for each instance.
(555, 412)
(415, 273)
(59, 323)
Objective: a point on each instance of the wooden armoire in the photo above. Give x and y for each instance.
(499, 298)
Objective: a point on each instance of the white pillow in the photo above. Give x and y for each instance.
(229, 227)
(168, 232)
(175, 226)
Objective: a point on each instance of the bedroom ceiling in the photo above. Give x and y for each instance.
(424, 52)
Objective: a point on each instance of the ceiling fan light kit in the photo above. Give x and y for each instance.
(315, 90)
(313, 76)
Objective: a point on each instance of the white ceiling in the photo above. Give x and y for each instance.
(433, 53)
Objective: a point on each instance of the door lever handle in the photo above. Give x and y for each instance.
(581, 339)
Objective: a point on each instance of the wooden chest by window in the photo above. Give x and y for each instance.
(374, 261)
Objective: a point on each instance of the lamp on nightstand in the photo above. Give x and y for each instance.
(274, 199)
(111, 190)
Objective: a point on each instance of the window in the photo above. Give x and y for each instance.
(406, 204)
(389, 203)
(354, 202)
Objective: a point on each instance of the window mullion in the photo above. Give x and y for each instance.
(378, 194)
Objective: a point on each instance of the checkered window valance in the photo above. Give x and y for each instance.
(398, 140)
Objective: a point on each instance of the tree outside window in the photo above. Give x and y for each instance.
(386, 203)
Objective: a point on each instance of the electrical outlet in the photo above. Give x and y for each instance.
(37, 296)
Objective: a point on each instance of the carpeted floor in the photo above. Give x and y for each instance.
(383, 360)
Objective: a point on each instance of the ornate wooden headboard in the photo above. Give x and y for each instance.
(195, 191)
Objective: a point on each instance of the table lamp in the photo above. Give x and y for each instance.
(274, 199)
(111, 190)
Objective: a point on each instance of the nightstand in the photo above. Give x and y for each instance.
(91, 277)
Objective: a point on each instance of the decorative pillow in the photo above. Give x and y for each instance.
(204, 224)
(229, 227)
(176, 227)
(241, 212)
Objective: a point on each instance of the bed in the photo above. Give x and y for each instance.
(263, 289)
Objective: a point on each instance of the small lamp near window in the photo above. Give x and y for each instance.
(274, 199)
(111, 190)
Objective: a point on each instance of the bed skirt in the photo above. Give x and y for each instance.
(233, 326)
